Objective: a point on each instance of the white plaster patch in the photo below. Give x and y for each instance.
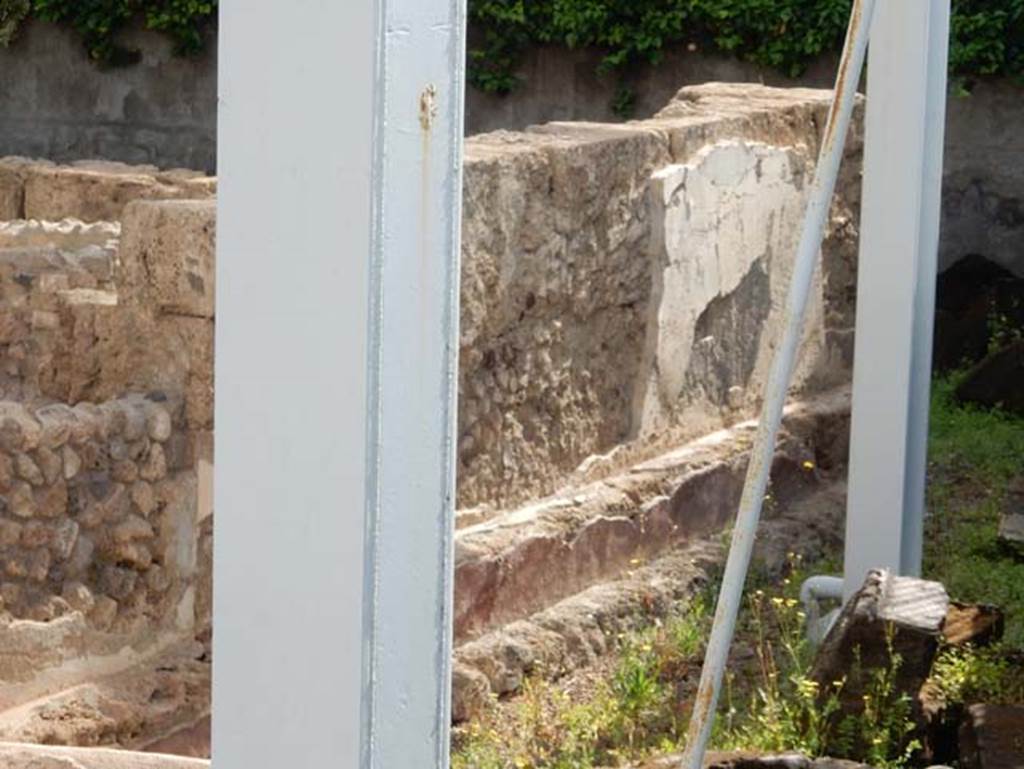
(713, 219)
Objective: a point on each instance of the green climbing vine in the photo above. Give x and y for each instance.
(99, 22)
(12, 12)
(787, 35)
(987, 35)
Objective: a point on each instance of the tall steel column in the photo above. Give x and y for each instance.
(896, 287)
(337, 311)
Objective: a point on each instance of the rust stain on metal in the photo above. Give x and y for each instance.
(844, 73)
(428, 110)
(703, 707)
(428, 107)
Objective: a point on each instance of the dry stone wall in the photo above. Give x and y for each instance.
(105, 417)
(45, 292)
(94, 518)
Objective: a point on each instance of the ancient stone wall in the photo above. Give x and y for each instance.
(105, 419)
(96, 515)
(89, 190)
(57, 104)
(621, 289)
(622, 283)
(621, 293)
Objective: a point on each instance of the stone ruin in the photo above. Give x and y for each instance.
(106, 393)
(621, 289)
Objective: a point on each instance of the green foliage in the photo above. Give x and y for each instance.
(1003, 330)
(626, 716)
(11, 14)
(973, 454)
(963, 675)
(988, 38)
(787, 710)
(972, 442)
(98, 22)
(641, 706)
(786, 35)
(770, 702)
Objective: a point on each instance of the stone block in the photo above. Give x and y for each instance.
(888, 616)
(19, 431)
(7, 474)
(96, 193)
(78, 596)
(12, 194)
(995, 382)
(470, 692)
(992, 737)
(104, 611)
(167, 256)
(10, 532)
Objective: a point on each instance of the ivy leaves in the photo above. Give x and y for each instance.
(99, 21)
(11, 14)
(787, 35)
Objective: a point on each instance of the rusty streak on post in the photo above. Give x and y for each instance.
(819, 202)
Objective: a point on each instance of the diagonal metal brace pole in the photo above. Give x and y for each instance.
(850, 67)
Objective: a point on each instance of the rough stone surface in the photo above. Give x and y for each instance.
(132, 708)
(586, 248)
(888, 615)
(567, 287)
(567, 284)
(992, 737)
(60, 505)
(95, 192)
(578, 629)
(167, 256)
(94, 524)
(529, 558)
(995, 382)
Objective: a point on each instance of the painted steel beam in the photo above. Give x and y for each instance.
(339, 164)
(905, 127)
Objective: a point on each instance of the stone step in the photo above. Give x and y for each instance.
(522, 561)
(132, 709)
(576, 631)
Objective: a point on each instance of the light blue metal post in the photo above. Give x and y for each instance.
(340, 135)
(904, 133)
